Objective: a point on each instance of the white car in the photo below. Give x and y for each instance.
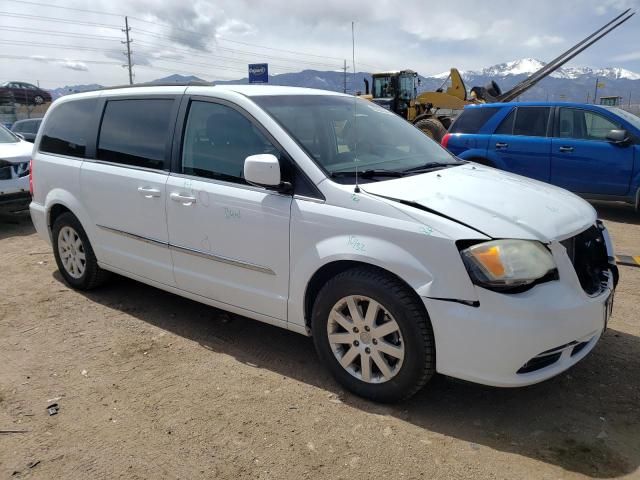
(15, 155)
(329, 216)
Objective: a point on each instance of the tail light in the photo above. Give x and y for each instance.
(31, 177)
(445, 140)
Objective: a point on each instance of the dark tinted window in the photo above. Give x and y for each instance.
(531, 121)
(217, 140)
(67, 129)
(136, 132)
(30, 126)
(506, 126)
(472, 119)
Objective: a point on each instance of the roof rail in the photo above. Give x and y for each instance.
(163, 84)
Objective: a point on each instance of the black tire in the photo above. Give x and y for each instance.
(432, 128)
(92, 276)
(418, 365)
(38, 100)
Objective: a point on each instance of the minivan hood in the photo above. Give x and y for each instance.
(496, 203)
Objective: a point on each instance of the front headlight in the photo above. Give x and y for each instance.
(506, 264)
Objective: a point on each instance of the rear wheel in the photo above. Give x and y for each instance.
(73, 253)
(374, 335)
(432, 128)
(38, 100)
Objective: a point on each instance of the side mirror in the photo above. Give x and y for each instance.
(262, 170)
(618, 137)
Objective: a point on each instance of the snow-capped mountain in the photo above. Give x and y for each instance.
(527, 66)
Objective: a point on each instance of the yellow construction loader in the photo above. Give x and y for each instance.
(433, 112)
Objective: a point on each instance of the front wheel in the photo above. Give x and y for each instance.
(374, 335)
(38, 100)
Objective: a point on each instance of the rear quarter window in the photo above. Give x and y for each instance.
(68, 128)
(472, 119)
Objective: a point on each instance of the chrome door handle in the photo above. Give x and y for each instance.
(501, 145)
(566, 149)
(149, 192)
(186, 200)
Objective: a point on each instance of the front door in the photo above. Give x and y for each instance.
(521, 143)
(229, 240)
(583, 161)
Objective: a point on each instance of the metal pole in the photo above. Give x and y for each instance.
(595, 94)
(344, 90)
(128, 42)
(629, 97)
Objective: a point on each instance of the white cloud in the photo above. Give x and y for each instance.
(538, 41)
(74, 65)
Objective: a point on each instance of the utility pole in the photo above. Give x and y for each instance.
(344, 90)
(595, 94)
(128, 53)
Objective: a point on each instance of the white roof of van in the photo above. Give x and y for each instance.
(248, 90)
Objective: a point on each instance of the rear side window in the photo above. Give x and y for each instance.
(506, 127)
(68, 128)
(472, 119)
(531, 121)
(136, 132)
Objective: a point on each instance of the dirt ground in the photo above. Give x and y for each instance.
(151, 385)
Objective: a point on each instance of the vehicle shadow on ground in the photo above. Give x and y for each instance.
(617, 212)
(15, 226)
(586, 420)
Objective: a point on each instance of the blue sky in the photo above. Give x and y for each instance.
(216, 39)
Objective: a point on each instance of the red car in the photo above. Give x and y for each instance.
(26, 93)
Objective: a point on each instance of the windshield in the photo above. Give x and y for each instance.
(326, 127)
(628, 116)
(382, 87)
(6, 136)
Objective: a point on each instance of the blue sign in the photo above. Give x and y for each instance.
(258, 73)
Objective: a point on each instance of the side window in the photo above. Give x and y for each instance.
(217, 140)
(136, 132)
(506, 126)
(473, 119)
(67, 128)
(584, 125)
(531, 121)
(598, 126)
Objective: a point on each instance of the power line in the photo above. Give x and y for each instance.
(59, 20)
(58, 33)
(50, 59)
(64, 8)
(52, 45)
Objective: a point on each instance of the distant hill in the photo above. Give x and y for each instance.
(569, 83)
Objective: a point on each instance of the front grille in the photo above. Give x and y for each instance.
(5, 173)
(588, 254)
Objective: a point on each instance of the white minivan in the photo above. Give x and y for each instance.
(330, 216)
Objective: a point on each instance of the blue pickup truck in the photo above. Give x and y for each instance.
(591, 150)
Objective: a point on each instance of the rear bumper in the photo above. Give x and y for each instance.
(39, 219)
(14, 203)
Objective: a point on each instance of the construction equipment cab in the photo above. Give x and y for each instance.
(395, 90)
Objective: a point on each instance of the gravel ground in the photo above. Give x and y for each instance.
(151, 385)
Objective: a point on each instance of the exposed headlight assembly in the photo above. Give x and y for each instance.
(509, 264)
(21, 169)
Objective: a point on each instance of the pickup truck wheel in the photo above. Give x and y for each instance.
(374, 335)
(73, 253)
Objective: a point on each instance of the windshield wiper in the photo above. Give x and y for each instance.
(369, 173)
(430, 167)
